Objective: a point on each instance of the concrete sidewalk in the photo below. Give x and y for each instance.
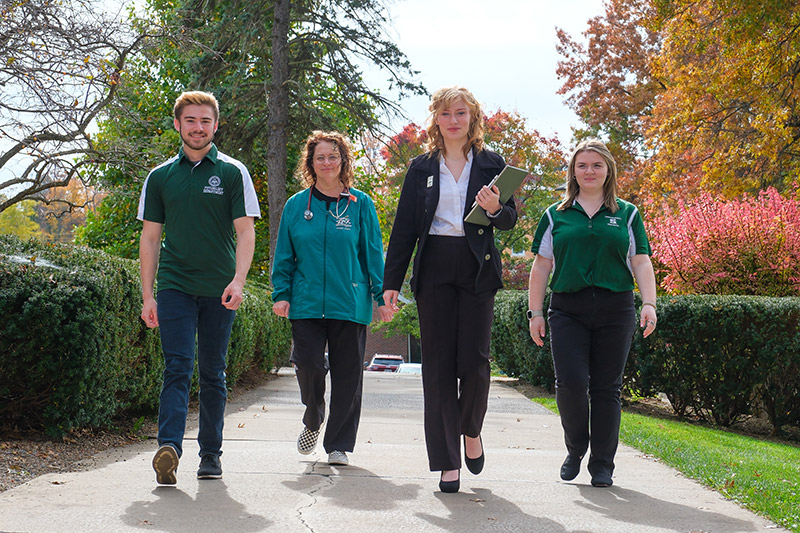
(268, 486)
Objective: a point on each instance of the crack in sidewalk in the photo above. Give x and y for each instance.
(313, 493)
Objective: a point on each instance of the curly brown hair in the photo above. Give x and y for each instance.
(305, 166)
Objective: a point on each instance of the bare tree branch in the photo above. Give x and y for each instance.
(61, 64)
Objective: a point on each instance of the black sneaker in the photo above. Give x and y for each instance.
(210, 467)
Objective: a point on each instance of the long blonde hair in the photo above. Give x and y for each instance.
(443, 99)
(610, 184)
(305, 166)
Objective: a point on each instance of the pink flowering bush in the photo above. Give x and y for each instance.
(746, 246)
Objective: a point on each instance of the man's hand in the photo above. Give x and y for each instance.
(233, 294)
(150, 313)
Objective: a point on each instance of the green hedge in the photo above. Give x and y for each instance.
(73, 350)
(716, 357)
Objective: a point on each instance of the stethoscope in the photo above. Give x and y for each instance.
(308, 214)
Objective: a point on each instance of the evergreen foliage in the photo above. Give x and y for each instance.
(73, 349)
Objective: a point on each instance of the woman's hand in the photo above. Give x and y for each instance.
(390, 298)
(648, 319)
(536, 325)
(281, 308)
(489, 199)
(385, 313)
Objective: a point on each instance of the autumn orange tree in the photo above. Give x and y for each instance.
(729, 117)
(693, 95)
(608, 82)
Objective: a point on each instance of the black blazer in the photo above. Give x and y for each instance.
(415, 210)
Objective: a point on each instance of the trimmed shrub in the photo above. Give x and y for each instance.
(724, 357)
(73, 350)
(512, 348)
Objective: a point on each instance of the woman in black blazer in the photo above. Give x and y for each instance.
(456, 274)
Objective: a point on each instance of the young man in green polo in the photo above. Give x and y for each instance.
(205, 204)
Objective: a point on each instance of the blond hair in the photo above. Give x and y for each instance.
(305, 167)
(443, 99)
(609, 185)
(195, 98)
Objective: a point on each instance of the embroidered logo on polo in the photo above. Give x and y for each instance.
(213, 186)
(613, 221)
(344, 223)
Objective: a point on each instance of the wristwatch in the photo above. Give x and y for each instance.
(531, 313)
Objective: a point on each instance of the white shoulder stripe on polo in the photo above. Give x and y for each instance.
(251, 207)
(546, 246)
(631, 239)
(140, 214)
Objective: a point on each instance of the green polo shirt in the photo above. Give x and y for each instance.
(197, 203)
(591, 251)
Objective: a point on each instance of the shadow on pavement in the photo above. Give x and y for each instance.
(176, 511)
(352, 487)
(625, 505)
(481, 510)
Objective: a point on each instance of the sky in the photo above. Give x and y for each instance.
(503, 51)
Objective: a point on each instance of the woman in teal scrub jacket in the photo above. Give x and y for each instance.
(328, 268)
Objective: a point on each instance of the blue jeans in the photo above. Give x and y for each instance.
(187, 322)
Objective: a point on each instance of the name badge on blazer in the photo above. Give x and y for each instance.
(430, 181)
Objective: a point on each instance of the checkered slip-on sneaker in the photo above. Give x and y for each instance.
(307, 441)
(338, 458)
(165, 463)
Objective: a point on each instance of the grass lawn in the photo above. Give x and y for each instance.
(763, 476)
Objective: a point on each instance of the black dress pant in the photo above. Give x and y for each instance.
(455, 327)
(346, 343)
(590, 335)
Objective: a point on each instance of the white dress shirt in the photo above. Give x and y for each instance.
(449, 216)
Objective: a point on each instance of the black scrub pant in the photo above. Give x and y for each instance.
(455, 327)
(346, 343)
(590, 336)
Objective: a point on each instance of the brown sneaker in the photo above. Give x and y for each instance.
(165, 463)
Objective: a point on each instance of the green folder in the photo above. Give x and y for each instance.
(507, 181)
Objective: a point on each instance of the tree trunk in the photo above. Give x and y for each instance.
(278, 121)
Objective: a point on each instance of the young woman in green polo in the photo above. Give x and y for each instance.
(595, 246)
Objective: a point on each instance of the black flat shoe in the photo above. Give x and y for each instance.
(602, 479)
(571, 467)
(449, 486)
(474, 465)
